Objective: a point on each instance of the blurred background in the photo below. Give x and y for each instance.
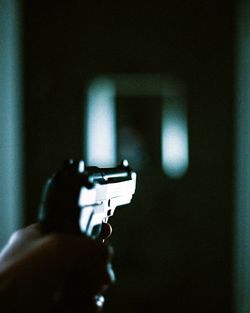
(164, 85)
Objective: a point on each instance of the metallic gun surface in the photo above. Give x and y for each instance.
(80, 198)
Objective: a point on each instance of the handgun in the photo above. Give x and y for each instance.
(79, 198)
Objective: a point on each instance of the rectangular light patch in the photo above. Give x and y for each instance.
(101, 124)
(174, 139)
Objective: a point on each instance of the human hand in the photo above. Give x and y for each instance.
(35, 268)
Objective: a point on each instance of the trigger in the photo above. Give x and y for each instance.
(106, 231)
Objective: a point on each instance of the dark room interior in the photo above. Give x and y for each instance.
(175, 243)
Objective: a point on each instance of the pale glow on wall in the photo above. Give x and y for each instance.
(11, 183)
(174, 139)
(101, 124)
(241, 227)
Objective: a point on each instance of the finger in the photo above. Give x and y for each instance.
(20, 242)
(90, 258)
